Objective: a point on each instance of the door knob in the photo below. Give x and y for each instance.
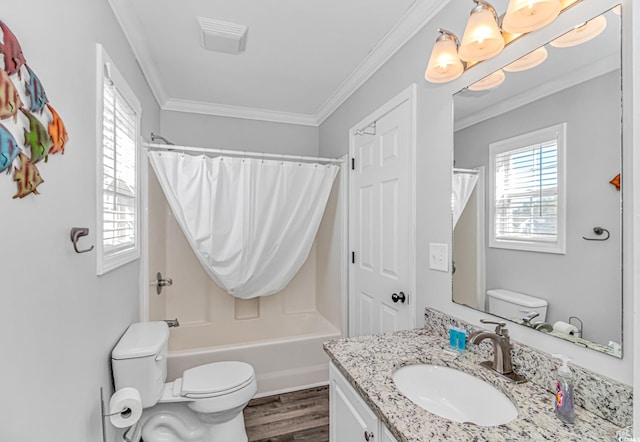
(368, 435)
(400, 296)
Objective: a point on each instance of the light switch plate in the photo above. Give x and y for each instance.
(439, 257)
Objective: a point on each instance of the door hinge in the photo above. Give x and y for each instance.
(353, 164)
(353, 257)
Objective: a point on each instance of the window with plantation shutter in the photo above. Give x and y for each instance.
(118, 155)
(528, 208)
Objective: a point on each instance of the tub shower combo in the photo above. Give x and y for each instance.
(248, 244)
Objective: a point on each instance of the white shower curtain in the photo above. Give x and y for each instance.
(250, 222)
(462, 188)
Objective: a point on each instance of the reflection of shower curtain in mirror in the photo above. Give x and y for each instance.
(462, 188)
(250, 222)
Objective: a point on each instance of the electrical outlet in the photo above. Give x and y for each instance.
(439, 257)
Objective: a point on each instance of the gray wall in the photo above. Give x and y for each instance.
(59, 320)
(587, 280)
(191, 129)
(434, 161)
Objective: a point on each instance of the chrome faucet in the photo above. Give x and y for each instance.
(501, 350)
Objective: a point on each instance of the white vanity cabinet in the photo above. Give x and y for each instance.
(350, 419)
(386, 434)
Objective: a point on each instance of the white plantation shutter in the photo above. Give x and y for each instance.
(527, 193)
(118, 190)
(119, 177)
(528, 189)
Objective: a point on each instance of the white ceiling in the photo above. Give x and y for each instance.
(302, 58)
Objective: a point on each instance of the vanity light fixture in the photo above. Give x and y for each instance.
(491, 81)
(444, 64)
(482, 38)
(581, 34)
(531, 60)
(566, 3)
(530, 15)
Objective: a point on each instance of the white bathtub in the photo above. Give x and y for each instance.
(283, 362)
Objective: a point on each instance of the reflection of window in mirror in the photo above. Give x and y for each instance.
(527, 191)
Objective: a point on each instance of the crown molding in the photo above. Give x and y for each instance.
(418, 15)
(247, 113)
(411, 22)
(572, 78)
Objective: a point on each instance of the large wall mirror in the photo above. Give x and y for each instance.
(536, 196)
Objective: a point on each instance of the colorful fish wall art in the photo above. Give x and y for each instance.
(12, 51)
(25, 115)
(27, 176)
(615, 181)
(9, 149)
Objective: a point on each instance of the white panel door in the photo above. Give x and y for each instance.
(380, 224)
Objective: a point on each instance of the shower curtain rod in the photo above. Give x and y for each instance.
(457, 170)
(240, 153)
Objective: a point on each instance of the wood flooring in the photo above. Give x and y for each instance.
(290, 417)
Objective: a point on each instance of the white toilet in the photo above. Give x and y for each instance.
(514, 305)
(204, 405)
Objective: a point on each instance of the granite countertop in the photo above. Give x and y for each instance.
(368, 363)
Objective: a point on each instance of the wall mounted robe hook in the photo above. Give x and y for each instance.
(598, 231)
(76, 233)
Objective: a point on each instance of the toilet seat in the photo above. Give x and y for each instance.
(216, 379)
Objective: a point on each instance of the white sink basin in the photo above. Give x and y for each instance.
(454, 395)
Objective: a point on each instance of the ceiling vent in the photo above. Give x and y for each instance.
(222, 36)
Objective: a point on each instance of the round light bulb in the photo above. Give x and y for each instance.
(529, 15)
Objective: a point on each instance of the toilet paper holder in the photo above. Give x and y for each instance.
(125, 412)
(75, 234)
(579, 324)
(124, 409)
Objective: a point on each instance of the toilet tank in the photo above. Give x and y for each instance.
(514, 306)
(139, 360)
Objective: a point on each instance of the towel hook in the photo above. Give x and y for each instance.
(76, 233)
(598, 231)
(363, 131)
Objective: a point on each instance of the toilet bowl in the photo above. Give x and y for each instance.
(204, 405)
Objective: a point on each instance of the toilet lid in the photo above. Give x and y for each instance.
(216, 379)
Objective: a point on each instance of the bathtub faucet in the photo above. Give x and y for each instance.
(172, 322)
